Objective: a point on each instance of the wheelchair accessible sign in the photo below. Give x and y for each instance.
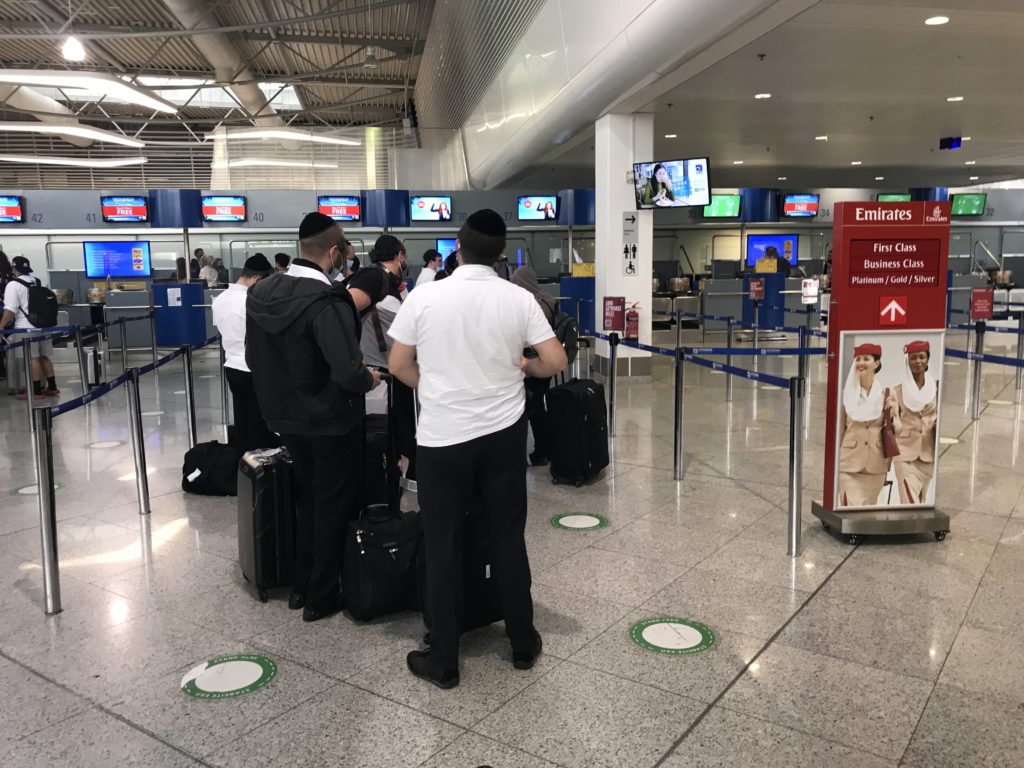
(226, 677)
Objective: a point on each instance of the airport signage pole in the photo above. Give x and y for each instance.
(887, 321)
(796, 464)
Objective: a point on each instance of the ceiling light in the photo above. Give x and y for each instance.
(117, 162)
(671, 135)
(821, 138)
(936, 21)
(285, 134)
(974, 178)
(970, 162)
(83, 131)
(954, 98)
(370, 62)
(782, 178)
(73, 50)
(96, 81)
(879, 178)
(737, 162)
(965, 138)
(762, 95)
(855, 162)
(262, 162)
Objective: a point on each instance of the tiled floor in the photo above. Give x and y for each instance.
(894, 652)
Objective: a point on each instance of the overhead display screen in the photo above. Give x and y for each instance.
(538, 208)
(722, 207)
(672, 183)
(446, 246)
(339, 207)
(892, 197)
(229, 208)
(430, 208)
(785, 247)
(125, 258)
(968, 204)
(800, 206)
(11, 210)
(125, 209)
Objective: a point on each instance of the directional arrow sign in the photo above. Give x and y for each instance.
(893, 310)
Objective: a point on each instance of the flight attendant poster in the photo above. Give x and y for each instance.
(887, 441)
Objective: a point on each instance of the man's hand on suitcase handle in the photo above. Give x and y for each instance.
(377, 377)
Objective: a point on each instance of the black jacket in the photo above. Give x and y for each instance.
(302, 346)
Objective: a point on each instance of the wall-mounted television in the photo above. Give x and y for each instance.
(800, 206)
(123, 258)
(722, 207)
(892, 197)
(339, 207)
(423, 208)
(446, 246)
(537, 208)
(223, 208)
(970, 204)
(12, 210)
(672, 183)
(125, 210)
(786, 247)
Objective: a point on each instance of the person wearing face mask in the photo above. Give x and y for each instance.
(918, 400)
(302, 346)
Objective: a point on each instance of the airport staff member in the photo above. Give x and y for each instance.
(229, 316)
(460, 344)
(16, 315)
(433, 262)
(302, 346)
(918, 401)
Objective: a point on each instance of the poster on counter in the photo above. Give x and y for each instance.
(888, 415)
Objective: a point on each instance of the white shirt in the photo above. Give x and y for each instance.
(229, 316)
(209, 274)
(469, 332)
(426, 275)
(16, 300)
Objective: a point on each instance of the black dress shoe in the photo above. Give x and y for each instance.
(422, 665)
(526, 659)
(538, 461)
(296, 601)
(317, 612)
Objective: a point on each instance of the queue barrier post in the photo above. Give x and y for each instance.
(30, 392)
(190, 395)
(679, 324)
(613, 341)
(1020, 349)
(802, 359)
(677, 463)
(152, 332)
(43, 419)
(979, 349)
(124, 346)
(81, 360)
(728, 360)
(796, 464)
(223, 384)
(138, 440)
(757, 322)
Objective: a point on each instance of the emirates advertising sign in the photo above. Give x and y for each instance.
(886, 337)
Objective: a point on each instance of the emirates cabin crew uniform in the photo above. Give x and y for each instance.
(862, 464)
(919, 411)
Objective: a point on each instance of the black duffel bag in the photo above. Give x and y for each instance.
(379, 568)
(211, 469)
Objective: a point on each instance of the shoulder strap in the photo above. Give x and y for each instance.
(378, 330)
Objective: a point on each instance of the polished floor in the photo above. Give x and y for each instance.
(891, 652)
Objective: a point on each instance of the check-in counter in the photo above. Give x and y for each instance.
(120, 304)
(722, 297)
(209, 295)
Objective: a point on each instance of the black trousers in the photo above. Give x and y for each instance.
(537, 413)
(329, 473)
(250, 430)
(492, 471)
(403, 421)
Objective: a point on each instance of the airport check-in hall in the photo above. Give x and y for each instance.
(541, 384)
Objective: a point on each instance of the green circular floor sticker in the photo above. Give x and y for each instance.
(672, 636)
(227, 676)
(31, 490)
(577, 521)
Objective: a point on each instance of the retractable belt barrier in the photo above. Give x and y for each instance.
(989, 329)
(1013, 362)
(758, 351)
(765, 378)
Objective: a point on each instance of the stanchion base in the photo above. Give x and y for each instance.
(882, 522)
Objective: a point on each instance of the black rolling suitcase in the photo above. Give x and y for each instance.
(266, 519)
(377, 469)
(578, 421)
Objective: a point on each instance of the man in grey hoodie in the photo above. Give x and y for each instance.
(302, 346)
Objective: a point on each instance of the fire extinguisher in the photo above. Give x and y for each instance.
(632, 323)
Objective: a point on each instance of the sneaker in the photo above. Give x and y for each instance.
(422, 665)
(526, 659)
(24, 396)
(51, 392)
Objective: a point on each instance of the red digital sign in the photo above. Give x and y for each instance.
(124, 209)
(11, 211)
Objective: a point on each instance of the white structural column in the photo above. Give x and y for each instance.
(620, 141)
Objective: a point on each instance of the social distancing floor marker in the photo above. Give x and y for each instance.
(31, 490)
(672, 636)
(948, 441)
(579, 522)
(105, 444)
(228, 676)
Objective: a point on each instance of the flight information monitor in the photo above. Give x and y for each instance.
(223, 208)
(972, 204)
(722, 207)
(12, 211)
(892, 197)
(125, 210)
(124, 258)
(339, 207)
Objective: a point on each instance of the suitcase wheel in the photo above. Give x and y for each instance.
(554, 481)
(262, 595)
(578, 483)
(426, 639)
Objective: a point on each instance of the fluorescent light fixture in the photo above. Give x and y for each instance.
(821, 138)
(954, 98)
(737, 162)
(879, 178)
(93, 81)
(117, 162)
(782, 178)
(284, 134)
(970, 162)
(263, 162)
(974, 178)
(73, 50)
(762, 95)
(671, 135)
(965, 138)
(82, 131)
(855, 162)
(936, 21)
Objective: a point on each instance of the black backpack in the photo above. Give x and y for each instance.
(567, 331)
(42, 305)
(211, 469)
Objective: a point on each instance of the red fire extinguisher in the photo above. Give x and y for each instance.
(632, 323)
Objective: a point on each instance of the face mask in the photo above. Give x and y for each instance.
(349, 263)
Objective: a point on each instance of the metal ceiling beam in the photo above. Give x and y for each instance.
(405, 47)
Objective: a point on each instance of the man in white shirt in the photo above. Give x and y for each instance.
(460, 343)
(432, 262)
(16, 315)
(229, 316)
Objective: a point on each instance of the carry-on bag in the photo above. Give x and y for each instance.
(266, 519)
(211, 469)
(578, 430)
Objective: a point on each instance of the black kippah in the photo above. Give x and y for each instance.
(258, 263)
(314, 224)
(487, 222)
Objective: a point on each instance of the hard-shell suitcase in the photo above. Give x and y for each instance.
(578, 421)
(377, 469)
(266, 519)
